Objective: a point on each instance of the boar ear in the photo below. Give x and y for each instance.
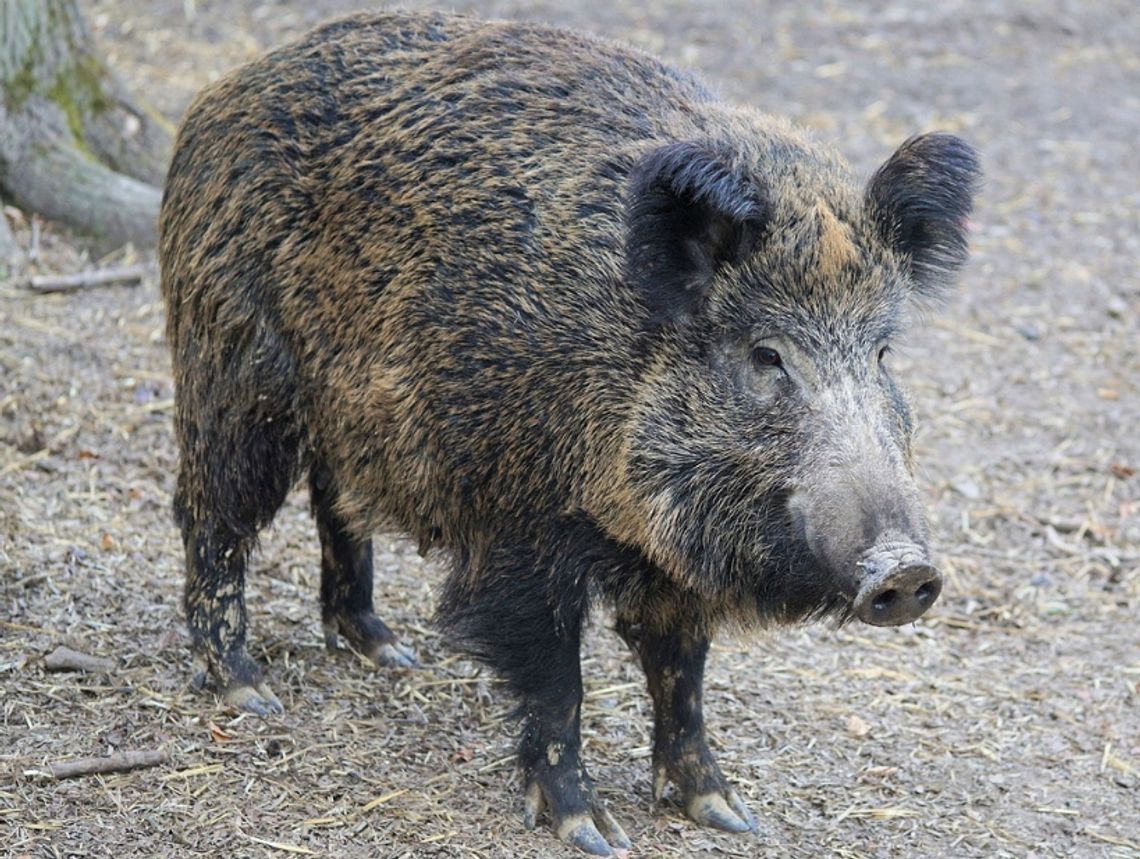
(921, 200)
(688, 213)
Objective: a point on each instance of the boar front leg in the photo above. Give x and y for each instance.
(519, 606)
(550, 760)
(674, 663)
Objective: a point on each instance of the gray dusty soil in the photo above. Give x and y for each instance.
(1007, 723)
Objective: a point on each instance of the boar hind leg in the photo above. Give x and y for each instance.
(522, 614)
(240, 446)
(239, 454)
(674, 665)
(346, 584)
(216, 559)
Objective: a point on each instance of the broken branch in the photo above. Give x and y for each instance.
(116, 763)
(66, 659)
(46, 283)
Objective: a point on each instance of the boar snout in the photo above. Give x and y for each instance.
(897, 586)
(889, 584)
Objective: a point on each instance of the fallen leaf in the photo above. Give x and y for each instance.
(219, 734)
(857, 728)
(108, 542)
(1122, 471)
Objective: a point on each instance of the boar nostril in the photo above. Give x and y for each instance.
(926, 593)
(883, 600)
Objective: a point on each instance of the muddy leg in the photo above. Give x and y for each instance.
(522, 614)
(550, 760)
(674, 664)
(214, 601)
(346, 586)
(239, 448)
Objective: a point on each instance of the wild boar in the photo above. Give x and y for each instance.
(547, 304)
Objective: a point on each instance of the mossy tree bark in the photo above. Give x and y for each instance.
(74, 146)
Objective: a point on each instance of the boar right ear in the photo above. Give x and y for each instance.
(921, 200)
(688, 213)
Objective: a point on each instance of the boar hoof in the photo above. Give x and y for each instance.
(237, 680)
(369, 635)
(392, 654)
(258, 699)
(704, 793)
(595, 832)
(725, 811)
(581, 832)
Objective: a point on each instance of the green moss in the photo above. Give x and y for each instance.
(67, 99)
(77, 89)
(21, 86)
(78, 92)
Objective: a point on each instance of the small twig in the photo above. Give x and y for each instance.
(45, 283)
(28, 581)
(34, 245)
(277, 845)
(66, 659)
(30, 459)
(116, 763)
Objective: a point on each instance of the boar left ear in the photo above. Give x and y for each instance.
(921, 200)
(688, 213)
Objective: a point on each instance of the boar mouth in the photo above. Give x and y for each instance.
(896, 585)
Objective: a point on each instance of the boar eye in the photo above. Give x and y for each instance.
(762, 356)
(884, 351)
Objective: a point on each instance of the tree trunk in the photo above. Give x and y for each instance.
(11, 254)
(74, 147)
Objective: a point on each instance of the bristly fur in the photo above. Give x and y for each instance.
(542, 302)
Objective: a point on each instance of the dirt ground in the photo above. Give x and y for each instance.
(1006, 723)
